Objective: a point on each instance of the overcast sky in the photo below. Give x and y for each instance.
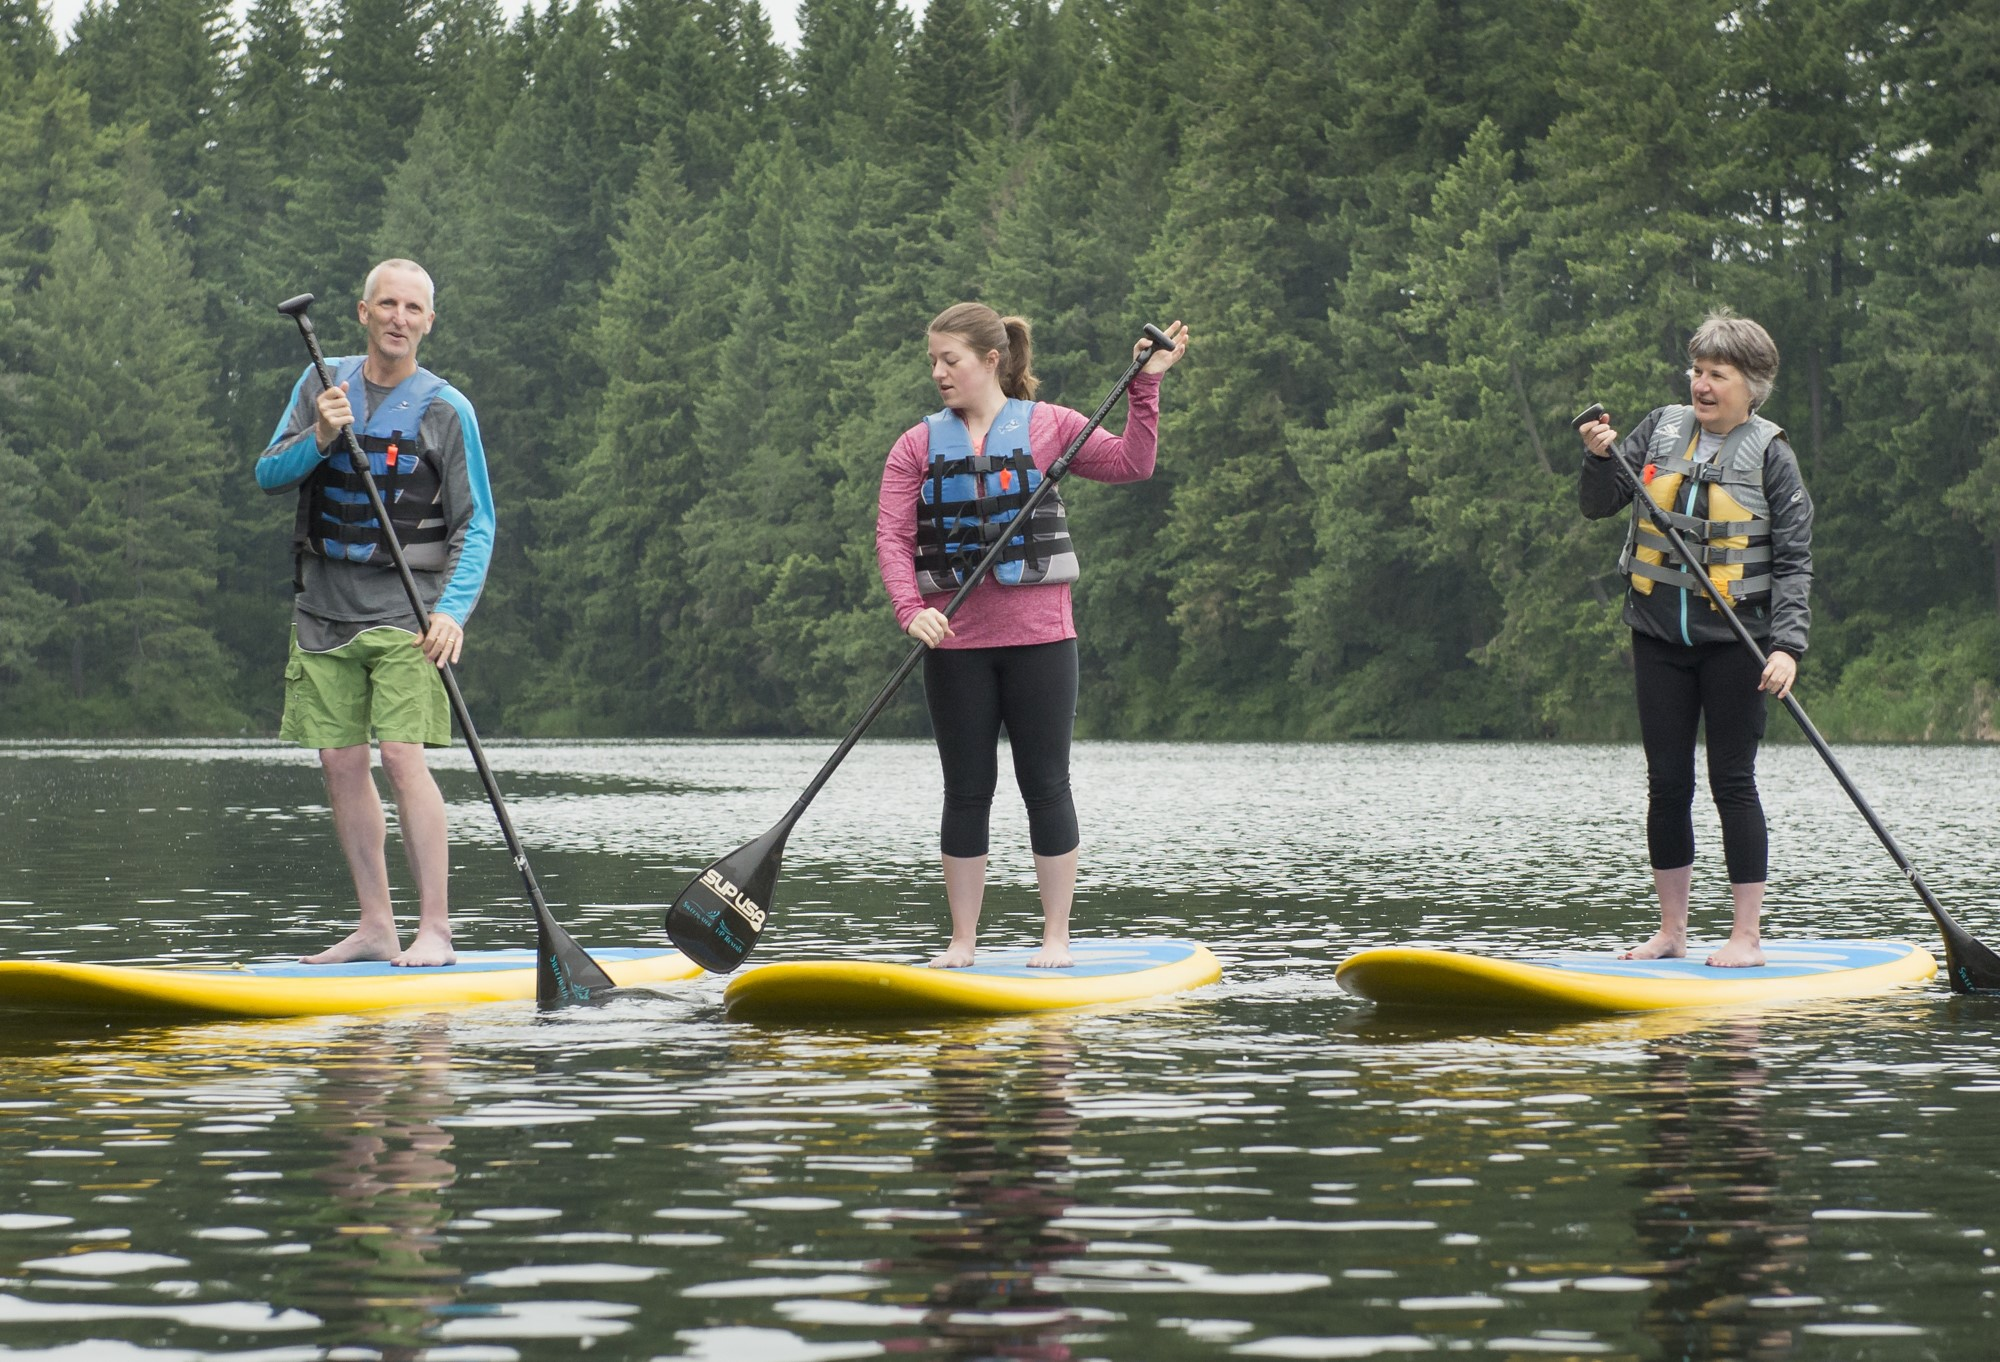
(784, 14)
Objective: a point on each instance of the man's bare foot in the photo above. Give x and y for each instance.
(954, 957)
(362, 945)
(1051, 957)
(1734, 954)
(427, 948)
(1661, 947)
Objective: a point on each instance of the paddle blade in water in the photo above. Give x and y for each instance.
(1969, 963)
(564, 974)
(717, 919)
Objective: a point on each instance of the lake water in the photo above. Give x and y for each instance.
(1264, 1168)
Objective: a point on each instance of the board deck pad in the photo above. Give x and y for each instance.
(292, 989)
(997, 983)
(1581, 982)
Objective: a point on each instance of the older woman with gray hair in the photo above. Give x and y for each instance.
(1729, 482)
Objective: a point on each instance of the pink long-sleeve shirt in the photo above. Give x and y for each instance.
(996, 616)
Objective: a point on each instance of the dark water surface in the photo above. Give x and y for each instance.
(1266, 1168)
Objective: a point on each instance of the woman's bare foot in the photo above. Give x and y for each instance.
(954, 957)
(1051, 956)
(427, 948)
(1736, 953)
(1661, 947)
(362, 945)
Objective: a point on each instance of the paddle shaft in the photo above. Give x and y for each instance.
(544, 919)
(978, 574)
(1954, 933)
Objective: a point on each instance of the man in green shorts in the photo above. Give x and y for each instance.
(362, 664)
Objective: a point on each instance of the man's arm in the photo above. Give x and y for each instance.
(468, 505)
(294, 452)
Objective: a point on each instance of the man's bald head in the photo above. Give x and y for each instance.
(374, 279)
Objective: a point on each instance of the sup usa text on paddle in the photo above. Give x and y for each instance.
(745, 907)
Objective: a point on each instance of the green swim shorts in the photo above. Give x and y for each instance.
(378, 683)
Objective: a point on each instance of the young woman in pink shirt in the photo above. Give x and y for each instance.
(950, 487)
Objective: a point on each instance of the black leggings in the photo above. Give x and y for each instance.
(1032, 690)
(1678, 687)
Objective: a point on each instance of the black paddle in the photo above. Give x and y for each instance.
(717, 919)
(564, 972)
(1969, 965)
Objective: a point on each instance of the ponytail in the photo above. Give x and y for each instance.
(1017, 374)
(984, 329)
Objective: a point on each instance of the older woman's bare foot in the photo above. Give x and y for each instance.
(1738, 954)
(1051, 956)
(956, 957)
(426, 949)
(362, 945)
(1662, 947)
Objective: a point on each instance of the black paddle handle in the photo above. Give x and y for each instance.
(1160, 341)
(1954, 933)
(295, 308)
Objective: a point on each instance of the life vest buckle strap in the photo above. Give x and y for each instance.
(1759, 554)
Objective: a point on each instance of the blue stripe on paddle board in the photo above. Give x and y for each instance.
(1788, 959)
(1094, 959)
(469, 962)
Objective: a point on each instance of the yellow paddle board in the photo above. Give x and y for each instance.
(999, 982)
(1400, 976)
(296, 990)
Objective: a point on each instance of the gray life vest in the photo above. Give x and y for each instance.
(1732, 541)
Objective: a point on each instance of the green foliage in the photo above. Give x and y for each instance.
(683, 276)
(126, 495)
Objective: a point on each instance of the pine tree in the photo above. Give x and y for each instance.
(847, 97)
(129, 504)
(368, 101)
(1497, 469)
(162, 63)
(1233, 259)
(1913, 496)
(612, 536)
(27, 45)
(27, 614)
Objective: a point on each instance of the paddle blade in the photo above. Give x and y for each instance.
(717, 919)
(565, 975)
(1970, 966)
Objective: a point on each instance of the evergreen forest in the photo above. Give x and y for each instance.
(683, 273)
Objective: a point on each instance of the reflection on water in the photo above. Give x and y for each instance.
(1265, 1168)
(1002, 1138)
(1712, 1208)
(381, 1267)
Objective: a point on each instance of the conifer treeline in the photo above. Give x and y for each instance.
(683, 274)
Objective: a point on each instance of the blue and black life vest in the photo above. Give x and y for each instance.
(969, 501)
(334, 518)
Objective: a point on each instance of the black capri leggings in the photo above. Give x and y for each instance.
(1032, 690)
(1678, 688)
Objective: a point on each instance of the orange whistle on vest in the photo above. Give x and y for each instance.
(1648, 473)
(1006, 480)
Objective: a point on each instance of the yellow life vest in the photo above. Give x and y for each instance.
(1732, 540)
